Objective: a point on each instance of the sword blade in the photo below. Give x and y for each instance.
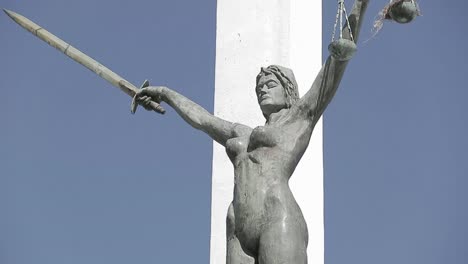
(78, 56)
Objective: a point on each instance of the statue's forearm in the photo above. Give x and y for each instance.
(327, 81)
(191, 112)
(217, 128)
(337, 68)
(355, 18)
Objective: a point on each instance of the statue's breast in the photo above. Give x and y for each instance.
(235, 146)
(263, 136)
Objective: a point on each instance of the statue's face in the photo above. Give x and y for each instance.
(270, 94)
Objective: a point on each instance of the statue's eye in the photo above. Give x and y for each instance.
(272, 84)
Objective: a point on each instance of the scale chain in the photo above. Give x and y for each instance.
(339, 20)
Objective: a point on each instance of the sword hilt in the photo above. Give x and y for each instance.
(154, 106)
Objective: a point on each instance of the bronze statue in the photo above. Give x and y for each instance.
(264, 223)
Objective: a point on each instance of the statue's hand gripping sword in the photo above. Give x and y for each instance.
(83, 59)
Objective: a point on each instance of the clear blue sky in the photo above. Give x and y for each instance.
(84, 181)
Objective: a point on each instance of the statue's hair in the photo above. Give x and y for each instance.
(287, 79)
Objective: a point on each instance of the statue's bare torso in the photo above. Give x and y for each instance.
(264, 160)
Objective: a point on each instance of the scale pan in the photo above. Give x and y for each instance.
(342, 49)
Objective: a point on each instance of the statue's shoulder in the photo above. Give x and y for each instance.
(240, 130)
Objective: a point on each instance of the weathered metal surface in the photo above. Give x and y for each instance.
(264, 223)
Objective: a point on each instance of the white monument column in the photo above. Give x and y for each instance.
(253, 34)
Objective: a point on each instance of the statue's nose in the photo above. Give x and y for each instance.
(262, 92)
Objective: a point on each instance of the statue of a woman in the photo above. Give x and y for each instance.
(264, 223)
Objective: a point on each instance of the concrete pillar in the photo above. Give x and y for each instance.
(252, 34)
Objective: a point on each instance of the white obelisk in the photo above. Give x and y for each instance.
(252, 34)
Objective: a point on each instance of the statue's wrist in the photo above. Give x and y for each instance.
(163, 93)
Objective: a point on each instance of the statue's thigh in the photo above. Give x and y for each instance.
(283, 243)
(235, 253)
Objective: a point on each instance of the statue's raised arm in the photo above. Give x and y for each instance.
(218, 129)
(328, 79)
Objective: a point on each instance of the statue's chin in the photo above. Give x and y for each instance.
(268, 109)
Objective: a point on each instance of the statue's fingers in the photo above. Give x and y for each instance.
(158, 99)
(147, 100)
(141, 99)
(141, 92)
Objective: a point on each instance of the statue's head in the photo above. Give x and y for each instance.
(276, 89)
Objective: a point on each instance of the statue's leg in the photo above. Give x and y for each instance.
(283, 242)
(235, 253)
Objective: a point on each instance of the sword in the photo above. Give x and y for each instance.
(83, 59)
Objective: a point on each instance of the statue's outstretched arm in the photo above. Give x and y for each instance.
(198, 117)
(326, 83)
